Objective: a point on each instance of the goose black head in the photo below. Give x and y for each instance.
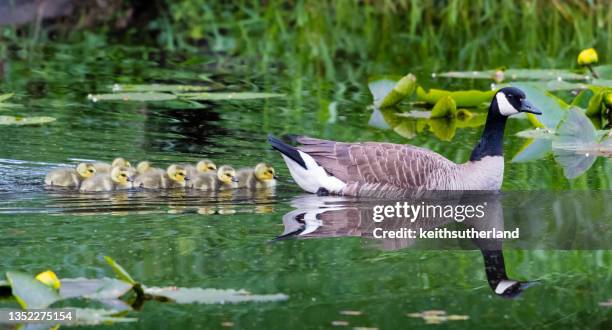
(511, 100)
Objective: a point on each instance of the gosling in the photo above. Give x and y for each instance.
(144, 167)
(175, 176)
(203, 166)
(224, 179)
(102, 167)
(262, 176)
(70, 177)
(119, 178)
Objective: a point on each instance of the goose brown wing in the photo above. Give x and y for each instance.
(386, 164)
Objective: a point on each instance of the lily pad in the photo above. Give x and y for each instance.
(533, 150)
(158, 88)
(228, 96)
(89, 316)
(469, 98)
(21, 121)
(30, 293)
(444, 108)
(97, 289)
(388, 92)
(515, 74)
(537, 133)
(119, 271)
(210, 296)
(135, 97)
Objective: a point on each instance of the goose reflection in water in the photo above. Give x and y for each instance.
(336, 216)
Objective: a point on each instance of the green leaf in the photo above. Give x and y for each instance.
(228, 96)
(443, 128)
(387, 97)
(595, 104)
(121, 273)
(30, 293)
(21, 121)
(469, 98)
(582, 99)
(89, 316)
(537, 133)
(132, 97)
(533, 150)
(97, 289)
(210, 296)
(444, 108)
(158, 88)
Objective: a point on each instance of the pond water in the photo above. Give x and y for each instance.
(226, 241)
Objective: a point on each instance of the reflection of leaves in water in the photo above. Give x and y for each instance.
(532, 150)
(210, 296)
(409, 124)
(158, 88)
(161, 96)
(97, 289)
(437, 316)
(388, 91)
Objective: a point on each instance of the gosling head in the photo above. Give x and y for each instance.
(206, 165)
(143, 167)
(120, 162)
(227, 174)
(264, 172)
(121, 174)
(86, 170)
(177, 173)
(509, 101)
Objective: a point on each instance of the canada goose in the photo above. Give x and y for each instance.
(223, 179)
(175, 176)
(262, 176)
(70, 177)
(203, 166)
(119, 178)
(384, 169)
(102, 167)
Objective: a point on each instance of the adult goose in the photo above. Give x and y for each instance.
(385, 170)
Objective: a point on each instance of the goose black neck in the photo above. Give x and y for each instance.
(495, 267)
(492, 139)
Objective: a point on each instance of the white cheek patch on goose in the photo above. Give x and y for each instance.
(505, 108)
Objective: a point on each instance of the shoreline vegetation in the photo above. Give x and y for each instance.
(327, 38)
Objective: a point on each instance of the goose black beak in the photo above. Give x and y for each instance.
(527, 106)
(234, 179)
(275, 176)
(187, 178)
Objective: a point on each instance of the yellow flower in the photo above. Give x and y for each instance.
(49, 279)
(608, 99)
(587, 57)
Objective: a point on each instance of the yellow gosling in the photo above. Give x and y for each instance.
(223, 179)
(261, 176)
(70, 177)
(119, 178)
(143, 167)
(203, 166)
(102, 167)
(175, 176)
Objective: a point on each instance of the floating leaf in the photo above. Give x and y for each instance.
(444, 108)
(515, 74)
(228, 96)
(596, 104)
(532, 150)
(210, 296)
(582, 99)
(97, 289)
(20, 121)
(576, 135)
(49, 279)
(136, 97)
(443, 128)
(470, 98)
(537, 133)
(119, 271)
(88, 316)
(388, 93)
(158, 88)
(29, 292)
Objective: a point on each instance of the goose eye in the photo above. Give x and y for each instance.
(122, 175)
(211, 167)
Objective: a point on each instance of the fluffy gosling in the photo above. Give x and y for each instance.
(143, 167)
(203, 166)
(70, 177)
(102, 167)
(119, 178)
(175, 176)
(224, 179)
(261, 176)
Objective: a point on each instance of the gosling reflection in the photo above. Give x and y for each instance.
(335, 216)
